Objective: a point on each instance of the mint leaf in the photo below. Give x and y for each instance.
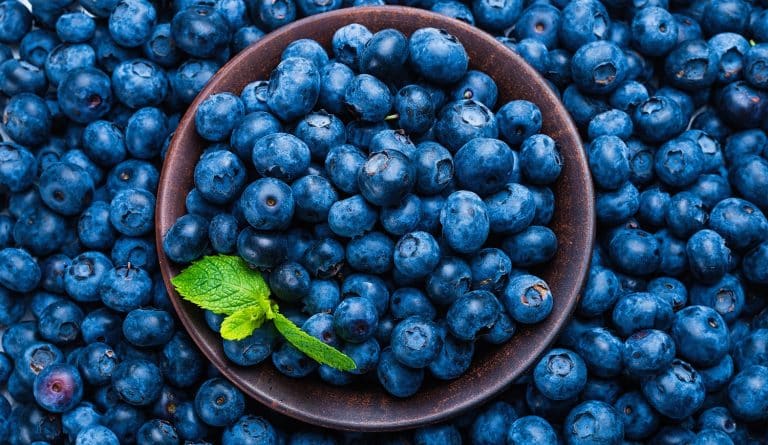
(242, 323)
(222, 284)
(311, 346)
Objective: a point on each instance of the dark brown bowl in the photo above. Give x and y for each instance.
(368, 407)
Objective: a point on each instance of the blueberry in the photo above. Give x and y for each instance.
(355, 318)
(647, 352)
(294, 87)
(348, 43)
(18, 167)
(39, 230)
(146, 130)
(190, 77)
(218, 403)
(754, 65)
(132, 212)
(218, 115)
(609, 162)
(491, 269)
(658, 119)
(250, 430)
(368, 98)
(748, 176)
(320, 131)
(131, 22)
(490, 426)
(200, 31)
(19, 76)
(85, 95)
(273, 14)
(527, 298)
(465, 221)
(342, 165)
(125, 288)
(352, 216)
(601, 351)
(334, 79)
(58, 388)
(532, 430)
(416, 341)
(250, 129)
(638, 417)
(281, 155)
(745, 393)
(291, 362)
(560, 374)
(676, 392)
(437, 55)
(15, 21)
(18, 270)
(267, 204)
(463, 120)
(66, 188)
(386, 177)
(187, 239)
(27, 119)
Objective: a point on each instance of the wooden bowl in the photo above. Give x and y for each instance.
(368, 407)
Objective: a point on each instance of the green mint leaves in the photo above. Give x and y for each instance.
(226, 285)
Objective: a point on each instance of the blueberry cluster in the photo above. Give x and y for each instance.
(669, 344)
(400, 245)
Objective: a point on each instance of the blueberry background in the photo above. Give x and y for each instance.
(670, 341)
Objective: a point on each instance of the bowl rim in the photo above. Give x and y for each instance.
(319, 413)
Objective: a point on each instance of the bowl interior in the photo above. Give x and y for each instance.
(366, 407)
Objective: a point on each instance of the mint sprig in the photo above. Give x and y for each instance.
(226, 285)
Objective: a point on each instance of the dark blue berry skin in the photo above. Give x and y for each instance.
(18, 336)
(157, 431)
(245, 37)
(639, 419)
(367, 98)
(671, 289)
(532, 430)
(18, 270)
(187, 239)
(601, 352)
(19, 76)
(250, 129)
(324, 258)
(138, 382)
(701, 335)
(472, 313)
(583, 22)
(491, 269)
(392, 140)
(416, 341)
(647, 352)
(160, 48)
(323, 296)
(294, 87)
(403, 218)
(104, 143)
(527, 298)
(85, 95)
(66, 188)
(685, 214)
(408, 301)
(611, 123)
(348, 43)
(342, 165)
(132, 173)
(654, 31)
(293, 363)
(145, 133)
(748, 176)
(355, 319)
(490, 426)
(261, 249)
(321, 131)
(755, 71)
(484, 165)
(740, 105)
(672, 250)
(609, 162)
(437, 56)
(190, 77)
(598, 67)
(460, 121)
(382, 54)
(676, 392)
(223, 233)
(18, 167)
(434, 168)
(97, 362)
(708, 256)
(726, 296)
(139, 83)
(739, 222)
(540, 160)
(730, 49)
(681, 70)
(628, 95)
(518, 120)
(148, 327)
(35, 47)
(465, 222)
(253, 349)
(131, 22)
(593, 421)
(289, 281)
(58, 388)
(711, 188)
(534, 245)
(746, 393)
(270, 15)
(308, 49)
(218, 115)
(60, 322)
(125, 288)
(386, 177)
(334, 79)
(27, 119)
(187, 423)
(250, 430)
(267, 204)
(635, 251)
(370, 253)
(181, 362)
(601, 292)
(132, 212)
(560, 374)
(34, 358)
(65, 58)
(15, 21)
(39, 230)
(200, 31)
(415, 109)
(218, 403)
(416, 254)
(352, 217)
(367, 286)
(658, 119)
(281, 155)
(754, 262)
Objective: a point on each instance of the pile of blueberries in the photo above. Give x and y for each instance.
(669, 344)
(374, 240)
